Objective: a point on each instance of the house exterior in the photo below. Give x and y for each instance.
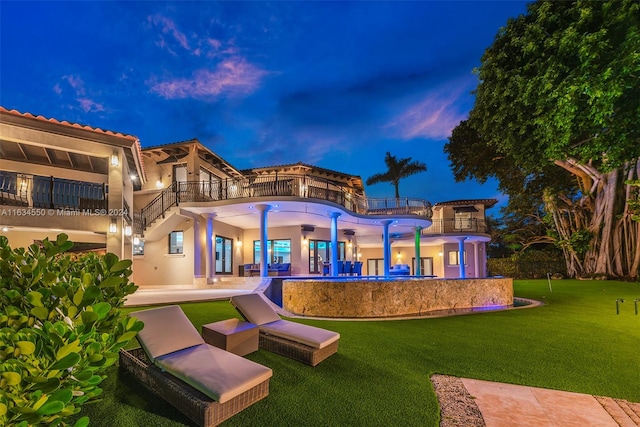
(57, 176)
(186, 216)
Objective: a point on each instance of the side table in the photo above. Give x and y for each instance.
(233, 335)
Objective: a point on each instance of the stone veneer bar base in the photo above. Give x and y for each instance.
(362, 298)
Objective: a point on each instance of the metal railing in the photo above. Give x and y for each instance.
(32, 191)
(400, 206)
(274, 186)
(451, 225)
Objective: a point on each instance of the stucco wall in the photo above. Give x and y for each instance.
(388, 298)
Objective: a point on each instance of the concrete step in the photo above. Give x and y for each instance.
(615, 408)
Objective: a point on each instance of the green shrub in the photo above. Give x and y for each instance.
(61, 326)
(529, 264)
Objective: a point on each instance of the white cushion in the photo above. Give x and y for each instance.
(166, 329)
(298, 332)
(255, 309)
(219, 374)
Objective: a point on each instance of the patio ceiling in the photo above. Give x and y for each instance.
(41, 155)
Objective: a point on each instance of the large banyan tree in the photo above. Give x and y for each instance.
(557, 113)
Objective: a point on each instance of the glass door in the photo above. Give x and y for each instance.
(224, 255)
(375, 267)
(318, 254)
(426, 265)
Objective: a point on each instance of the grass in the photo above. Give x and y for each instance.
(380, 375)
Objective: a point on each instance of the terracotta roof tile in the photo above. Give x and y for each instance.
(69, 124)
(84, 127)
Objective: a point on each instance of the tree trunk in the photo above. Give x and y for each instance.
(613, 249)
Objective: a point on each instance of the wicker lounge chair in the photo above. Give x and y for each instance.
(303, 343)
(207, 384)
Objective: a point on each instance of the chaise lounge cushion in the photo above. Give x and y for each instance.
(165, 331)
(303, 334)
(255, 309)
(219, 374)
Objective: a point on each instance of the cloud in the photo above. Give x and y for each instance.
(89, 105)
(76, 85)
(168, 26)
(231, 77)
(435, 115)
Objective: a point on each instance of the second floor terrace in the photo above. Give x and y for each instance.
(48, 192)
(280, 186)
(20, 190)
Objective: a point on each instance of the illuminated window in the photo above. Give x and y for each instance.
(176, 242)
(279, 251)
(454, 258)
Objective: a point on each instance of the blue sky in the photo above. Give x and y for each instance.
(333, 84)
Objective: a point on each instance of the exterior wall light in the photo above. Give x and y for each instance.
(113, 226)
(115, 161)
(127, 230)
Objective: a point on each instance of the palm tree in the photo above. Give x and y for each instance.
(397, 169)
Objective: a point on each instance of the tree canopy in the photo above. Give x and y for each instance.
(397, 170)
(555, 120)
(563, 82)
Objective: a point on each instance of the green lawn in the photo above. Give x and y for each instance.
(380, 375)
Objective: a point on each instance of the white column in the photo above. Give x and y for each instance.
(461, 256)
(211, 261)
(264, 253)
(386, 247)
(334, 243)
(476, 259)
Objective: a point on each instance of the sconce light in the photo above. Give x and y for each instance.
(127, 230)
(113, 226)
(239, 242)
(440, 254)
(136, 240)
(115, 161)
(159, 183)
(359, 255)
(399, 255)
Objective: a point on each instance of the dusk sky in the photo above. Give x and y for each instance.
(332, 84)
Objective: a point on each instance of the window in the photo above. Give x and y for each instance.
(462, 220)
(176, 242)
(279, 251)
(224, 255)
(180, 173)
(138, 248)
(454, 258)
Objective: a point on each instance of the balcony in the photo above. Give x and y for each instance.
(298, 186)
(456, 226)
(31, 191)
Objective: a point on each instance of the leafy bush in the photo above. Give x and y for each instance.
(529, 264)
(60, 328)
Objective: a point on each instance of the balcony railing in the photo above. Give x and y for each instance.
(453, 226)
(281, 185)
(48, 192)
